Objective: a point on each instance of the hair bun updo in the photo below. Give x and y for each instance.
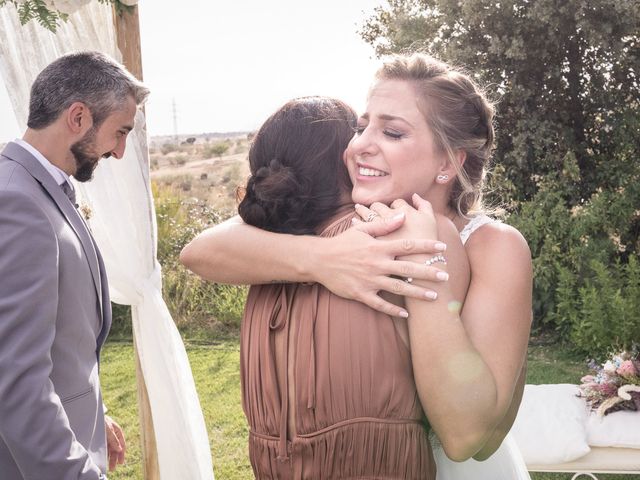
(266, 195)
(298, 180)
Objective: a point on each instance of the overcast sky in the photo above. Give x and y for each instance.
(229, 64)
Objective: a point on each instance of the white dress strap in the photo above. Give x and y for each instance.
(474, 224)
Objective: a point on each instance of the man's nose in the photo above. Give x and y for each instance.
(118, 152)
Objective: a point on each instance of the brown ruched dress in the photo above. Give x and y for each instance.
(328, 388)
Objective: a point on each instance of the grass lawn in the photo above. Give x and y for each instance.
(216, 372)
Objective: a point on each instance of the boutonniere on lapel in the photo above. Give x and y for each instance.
(85, 211)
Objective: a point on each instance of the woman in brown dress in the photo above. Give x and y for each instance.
(427, 130)
(327, 383)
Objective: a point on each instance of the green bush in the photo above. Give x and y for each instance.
(606, 308)
(168, 148)
(121, 326)
(217, 149)
(197, 306)
(181, 160)
(585, 259)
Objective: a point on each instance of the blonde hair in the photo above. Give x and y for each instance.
(459, 115)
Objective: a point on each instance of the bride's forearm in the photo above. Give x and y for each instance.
(455, 385)
(501, 431)
(236, 253)
(467, 372)
(447, 366)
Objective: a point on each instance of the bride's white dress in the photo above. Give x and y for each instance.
(506, 463)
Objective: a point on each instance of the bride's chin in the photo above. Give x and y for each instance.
(363, 198)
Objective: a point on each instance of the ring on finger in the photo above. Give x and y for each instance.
(439, 258)
(371, 217)
(408, 279)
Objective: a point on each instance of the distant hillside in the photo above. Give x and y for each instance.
(157, 141)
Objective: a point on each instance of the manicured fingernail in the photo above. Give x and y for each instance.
(357, 205)
(431, 295)
(403, 314)
(442, 276)
(440, 246)
(398, 216)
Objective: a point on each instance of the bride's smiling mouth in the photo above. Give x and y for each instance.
(365, 171)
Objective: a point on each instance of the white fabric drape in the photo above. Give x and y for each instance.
(123, 224)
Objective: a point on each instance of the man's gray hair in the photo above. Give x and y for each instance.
(92, 78)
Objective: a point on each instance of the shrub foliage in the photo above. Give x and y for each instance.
(197, 306)
(568, 130)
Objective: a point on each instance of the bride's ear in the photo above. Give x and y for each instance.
(448, 170)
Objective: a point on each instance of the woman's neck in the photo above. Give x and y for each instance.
(440, 204)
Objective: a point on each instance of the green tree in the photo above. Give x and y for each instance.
(565, 73)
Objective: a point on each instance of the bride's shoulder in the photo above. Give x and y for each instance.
(498, 242)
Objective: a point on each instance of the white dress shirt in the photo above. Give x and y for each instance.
(58, 175)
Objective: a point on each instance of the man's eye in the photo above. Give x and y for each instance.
(359, 129)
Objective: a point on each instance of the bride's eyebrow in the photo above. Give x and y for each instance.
(388, 118)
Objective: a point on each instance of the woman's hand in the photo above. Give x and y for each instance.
(420, 221)
(420, 224)
(363, 261)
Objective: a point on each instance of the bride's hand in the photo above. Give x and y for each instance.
(360, 262)
(420, 222)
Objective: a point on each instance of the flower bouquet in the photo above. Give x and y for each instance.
(614, 385)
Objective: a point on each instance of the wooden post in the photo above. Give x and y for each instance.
(127, 27)
(150, 467)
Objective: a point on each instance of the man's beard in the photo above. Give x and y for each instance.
(85, 156)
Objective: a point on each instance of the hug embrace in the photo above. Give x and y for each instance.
(386, 329)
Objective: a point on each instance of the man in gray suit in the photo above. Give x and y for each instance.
(54, 302)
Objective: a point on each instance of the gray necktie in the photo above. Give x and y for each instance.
(69, 192)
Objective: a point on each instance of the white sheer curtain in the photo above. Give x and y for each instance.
(123, 224)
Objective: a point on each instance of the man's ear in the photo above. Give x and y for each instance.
(78, 118)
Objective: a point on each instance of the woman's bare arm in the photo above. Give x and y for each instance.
(353, 264)
(467, 365)
(501, 431)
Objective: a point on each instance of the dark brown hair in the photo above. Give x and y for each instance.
(297, 175)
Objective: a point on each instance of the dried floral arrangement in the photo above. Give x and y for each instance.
(614, 385)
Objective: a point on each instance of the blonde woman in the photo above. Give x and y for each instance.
(418, 159)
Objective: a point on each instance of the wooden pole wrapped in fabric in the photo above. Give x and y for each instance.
(127, 28)
(127, 25)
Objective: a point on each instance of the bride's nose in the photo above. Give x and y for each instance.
(363, 143)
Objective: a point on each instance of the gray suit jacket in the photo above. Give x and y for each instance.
(54, 317)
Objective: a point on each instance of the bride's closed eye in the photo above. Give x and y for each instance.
(393, 134)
